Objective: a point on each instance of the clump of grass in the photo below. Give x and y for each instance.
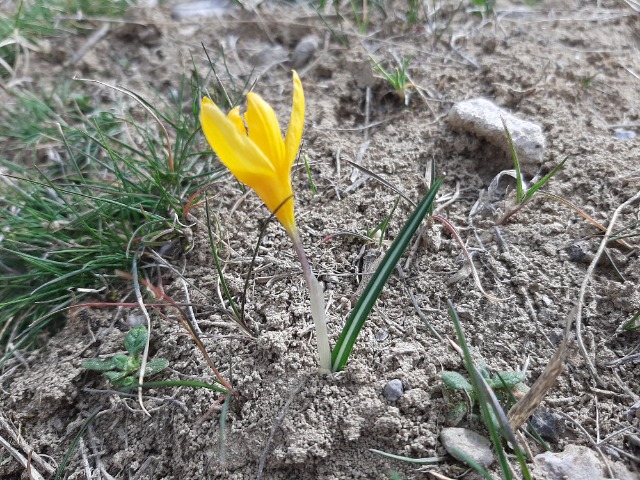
(68, 226)
(492, 413)
(398, 78)
(34, 20)
(524, 194)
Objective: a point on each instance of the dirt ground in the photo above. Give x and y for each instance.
(571, 66)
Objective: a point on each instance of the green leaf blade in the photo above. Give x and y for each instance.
(455, 381)
(516, 164)
(356, 320)
(543, 181)
(136, 340)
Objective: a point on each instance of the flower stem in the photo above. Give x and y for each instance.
(317, 303)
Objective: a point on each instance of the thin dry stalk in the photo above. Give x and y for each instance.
(585, 283)
(521, 411)
(186, 323)
(24, 446)
(26, 463)
(476, 278)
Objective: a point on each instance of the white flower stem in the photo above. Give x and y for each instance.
(317, 303)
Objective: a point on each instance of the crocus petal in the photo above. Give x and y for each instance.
(247, 162)
(264, 129)
(278, 197)
(296, 122)
(236, 118)
(240, 155)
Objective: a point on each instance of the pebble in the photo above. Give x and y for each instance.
(202, 8)
(624, 134)
(483, 118)
(634, 411)
(393, 390)
(382, 335)
(549, 425)
(579, 252)
(303, 52)
(468, 442)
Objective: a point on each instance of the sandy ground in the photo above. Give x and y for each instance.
(569, 66)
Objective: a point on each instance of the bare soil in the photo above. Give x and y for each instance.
(571, 66)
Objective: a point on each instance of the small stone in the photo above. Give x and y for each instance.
(547, 301)
(633, 412)
(393, 390)
(575, 463)
(303, 52)
(472, 444)
(624, 134)
(484, 118)
(202, 8)
(268, 56)
(382, 335)
(549, 425)
(579, 252)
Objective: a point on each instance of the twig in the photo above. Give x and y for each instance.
(476, 278)
(93, 39)
(591, 440)
(34, 474)
(84, 460)
(416, 306)
(93, 442)
(24, 446)
(143, 308)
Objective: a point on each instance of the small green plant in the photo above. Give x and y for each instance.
(398, 78)
(101, 201)
(312, 185)
(524, 194)
(492, 413)
(123, 369)
(486, 5)
(377, 234)
(504, 384)
(413, 11)
(633, 323)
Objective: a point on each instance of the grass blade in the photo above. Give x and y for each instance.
(371, 292)
(479, 388)
(472, 463)
(516, 164)
(216, 260)
(419, 461)
(542, 182)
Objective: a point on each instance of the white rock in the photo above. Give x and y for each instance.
(483, 118)
(467, 441)
(202, 8)
(576, 463)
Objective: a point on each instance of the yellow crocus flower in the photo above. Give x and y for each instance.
(253, 149)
